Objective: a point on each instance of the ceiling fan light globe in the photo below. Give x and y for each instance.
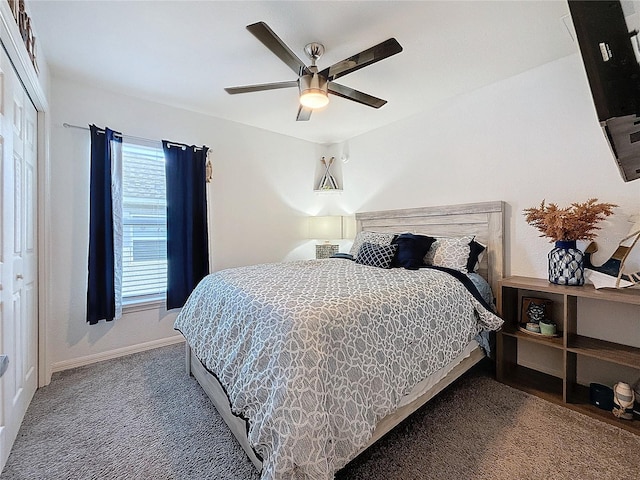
(313, 91)
(314, 98)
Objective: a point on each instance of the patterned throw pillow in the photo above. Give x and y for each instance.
(450, 253)
(375, 238)
(376, 255)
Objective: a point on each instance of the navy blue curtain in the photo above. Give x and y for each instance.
(100, 287)
(187, 238)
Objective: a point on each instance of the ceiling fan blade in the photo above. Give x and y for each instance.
(367, 57)
(270, 40)
(260, 87)
(304, 114)
(352, 94)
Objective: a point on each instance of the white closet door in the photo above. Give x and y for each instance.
(18, 254)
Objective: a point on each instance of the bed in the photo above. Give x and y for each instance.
(303, 368)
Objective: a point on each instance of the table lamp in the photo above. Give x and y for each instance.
(327, 228)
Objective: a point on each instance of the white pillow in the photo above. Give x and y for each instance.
(450, 252)
(375, 238)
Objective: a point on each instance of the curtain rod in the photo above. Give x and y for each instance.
(170, 144)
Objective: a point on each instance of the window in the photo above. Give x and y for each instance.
(144, 223)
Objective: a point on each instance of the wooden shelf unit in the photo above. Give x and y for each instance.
(563, 390)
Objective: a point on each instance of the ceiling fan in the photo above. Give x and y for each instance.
(314, 86)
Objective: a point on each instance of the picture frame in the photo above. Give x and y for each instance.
(529, 313)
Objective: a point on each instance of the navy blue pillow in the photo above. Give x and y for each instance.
(476, 250)
(346, 256)
(411, 250)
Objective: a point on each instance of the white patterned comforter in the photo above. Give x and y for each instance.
(315, 353)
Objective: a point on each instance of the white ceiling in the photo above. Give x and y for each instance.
(183, 53)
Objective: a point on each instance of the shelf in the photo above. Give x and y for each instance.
(611, 352)
(328, 191)
(549, 388)
(534, 382)
(565, 390)
(555, 342)
(622, 295)
(580, 403)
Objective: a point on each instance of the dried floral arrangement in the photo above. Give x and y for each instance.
(575, 222)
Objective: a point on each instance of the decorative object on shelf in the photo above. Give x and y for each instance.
(623, 398)
(534, 310)
(564, 226)
(329, 228)
(532, 327)
(566, 264)
(24, 25)
(614, 273)
(328, 182)
(636, 391)
(547, 328)
(534, 317)
(601, 396)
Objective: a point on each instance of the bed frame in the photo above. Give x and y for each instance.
(484, 220)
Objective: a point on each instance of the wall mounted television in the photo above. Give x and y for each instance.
(608, 39)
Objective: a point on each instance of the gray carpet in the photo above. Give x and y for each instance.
(141, 417)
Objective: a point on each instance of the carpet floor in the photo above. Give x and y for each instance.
(142, 417)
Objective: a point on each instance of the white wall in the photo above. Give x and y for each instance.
(260, 197)
(531, 137)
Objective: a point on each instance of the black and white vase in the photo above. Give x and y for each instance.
(566, 264)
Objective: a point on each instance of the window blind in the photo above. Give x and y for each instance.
(144, 256)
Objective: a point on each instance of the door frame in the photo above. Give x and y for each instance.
(37, 86)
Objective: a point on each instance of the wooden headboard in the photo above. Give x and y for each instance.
(484, 220)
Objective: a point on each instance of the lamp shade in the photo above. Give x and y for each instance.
(349, 227)
(325, 228)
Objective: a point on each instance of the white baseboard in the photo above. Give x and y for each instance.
(118, 352)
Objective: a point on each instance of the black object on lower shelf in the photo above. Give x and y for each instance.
(601, 396)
